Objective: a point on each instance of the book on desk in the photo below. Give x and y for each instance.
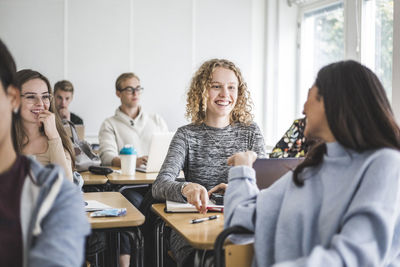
(94, 205)
(172, 206)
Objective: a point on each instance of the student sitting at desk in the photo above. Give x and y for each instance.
(340, 207)
(63, 94)
(38, 129)
(43, 222)
(218, 105)
(129, 125)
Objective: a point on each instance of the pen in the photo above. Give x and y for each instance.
(204, 219)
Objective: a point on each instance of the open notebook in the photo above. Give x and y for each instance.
(172, 206)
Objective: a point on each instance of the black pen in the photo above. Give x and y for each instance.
(204, 219)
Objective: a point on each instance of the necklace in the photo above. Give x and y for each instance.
(217, 144)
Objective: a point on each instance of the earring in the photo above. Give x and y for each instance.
(15, 110)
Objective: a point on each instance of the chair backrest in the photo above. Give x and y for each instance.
(80, 130)
(235, 255)
(239, 255)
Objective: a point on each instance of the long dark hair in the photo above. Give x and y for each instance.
(7, 67)
(22, 77)
(7, 77)
(357, 109)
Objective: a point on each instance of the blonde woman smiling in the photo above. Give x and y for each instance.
(219, 106)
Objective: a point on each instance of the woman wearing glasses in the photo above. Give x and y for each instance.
(37, 128)
(43, 222)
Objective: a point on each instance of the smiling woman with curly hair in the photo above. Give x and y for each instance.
(197, 96)
(219, 107)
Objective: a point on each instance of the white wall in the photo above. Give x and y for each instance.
(91, 42)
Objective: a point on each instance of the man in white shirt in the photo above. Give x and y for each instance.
(129, 125)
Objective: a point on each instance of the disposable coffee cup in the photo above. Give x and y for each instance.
(128, 160)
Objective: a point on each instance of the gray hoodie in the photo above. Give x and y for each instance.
(53, 221)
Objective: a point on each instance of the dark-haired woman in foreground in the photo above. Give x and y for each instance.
(340, 207)
(42, 219)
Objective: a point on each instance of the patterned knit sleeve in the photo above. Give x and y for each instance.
(165, 186)
(257, 142)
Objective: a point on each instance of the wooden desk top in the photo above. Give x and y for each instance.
(132, 218)
(138, 178)
(93, 179)
(200, 235)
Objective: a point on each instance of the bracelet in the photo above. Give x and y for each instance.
(182, 186)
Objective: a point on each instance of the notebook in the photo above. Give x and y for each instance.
(94, 205)
(158, 150)
(269, 170)
(172, 206)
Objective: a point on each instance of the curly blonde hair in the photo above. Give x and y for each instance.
(198, 94)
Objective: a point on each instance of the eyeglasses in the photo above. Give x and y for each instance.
(130, 90)
(34, 98)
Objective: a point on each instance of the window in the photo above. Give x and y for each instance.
(326, 31)
(322, 42)
(377, 39)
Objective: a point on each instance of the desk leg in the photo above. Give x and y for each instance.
(116, 240)
(160, 226)
(139, 247)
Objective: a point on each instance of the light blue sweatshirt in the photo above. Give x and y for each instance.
(346, 214)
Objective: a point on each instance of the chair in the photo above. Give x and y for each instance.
(80, 130)
(235, 254)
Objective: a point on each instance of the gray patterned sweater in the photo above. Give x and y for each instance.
(201, 152)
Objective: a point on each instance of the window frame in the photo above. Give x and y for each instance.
(303, 9)
(352, 42)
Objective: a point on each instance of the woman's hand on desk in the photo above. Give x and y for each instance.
(196, 195)
(221, 188)
(243, 158)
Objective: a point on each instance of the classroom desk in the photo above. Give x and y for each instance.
(138, 178)
(201, 235)
(93, 179)
(129, 222)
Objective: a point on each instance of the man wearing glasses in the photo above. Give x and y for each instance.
(129, 125)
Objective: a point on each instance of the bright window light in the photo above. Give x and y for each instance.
(322, 42)
(377, 39)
